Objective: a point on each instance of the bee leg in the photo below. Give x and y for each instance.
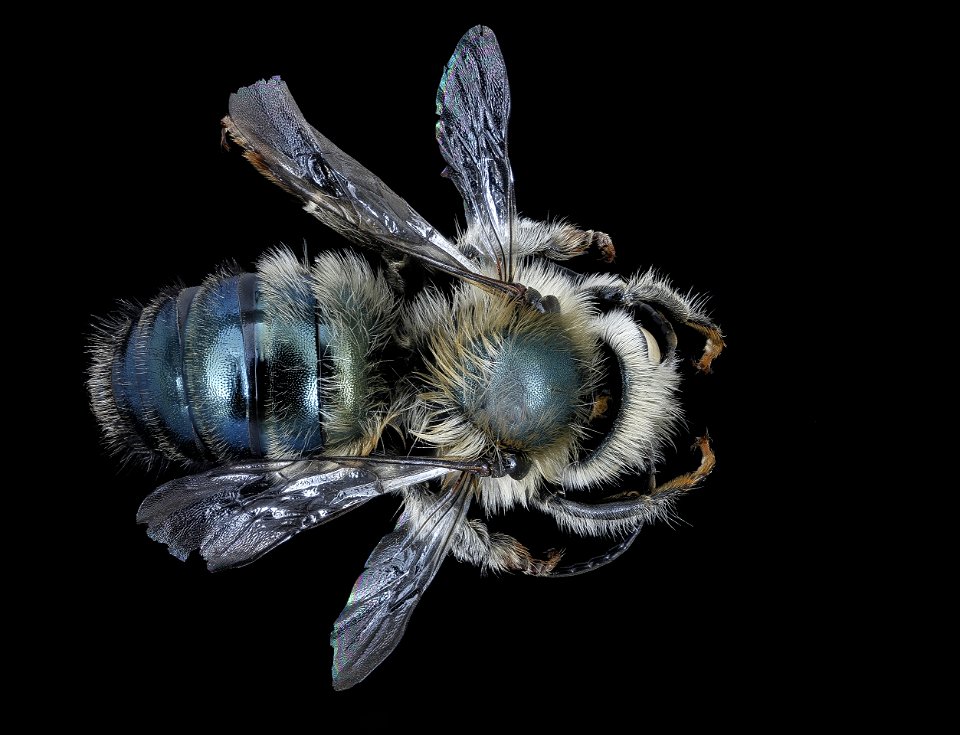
(655, 293)
(714, 345)
(627, 512)
(647, 507)
(601, 404)
(689, 480)
(499, 552)
(558, 241)
(571, 570)
(648, 288)
(680, 484)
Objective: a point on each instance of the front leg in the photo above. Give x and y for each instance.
(655, 291)
(649, 288)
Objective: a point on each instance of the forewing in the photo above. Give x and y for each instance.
(235, 514)
(396, 575)
(266, 121)
(474, 107)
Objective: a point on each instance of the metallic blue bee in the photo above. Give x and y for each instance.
(520, 381)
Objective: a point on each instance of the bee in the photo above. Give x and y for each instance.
(296, 393)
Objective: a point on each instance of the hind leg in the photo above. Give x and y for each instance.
(630, 510)
(498, 552)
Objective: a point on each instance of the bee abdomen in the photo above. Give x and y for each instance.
(225, 365)
(148, 382)
(278, 363)
(128, 347)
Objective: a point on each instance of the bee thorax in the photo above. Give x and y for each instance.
(531, 392)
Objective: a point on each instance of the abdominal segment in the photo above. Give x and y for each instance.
(275, 364)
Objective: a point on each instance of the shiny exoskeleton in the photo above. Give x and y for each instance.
(277, 363)
(511, 385)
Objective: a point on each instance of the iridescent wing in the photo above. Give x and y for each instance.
(235, 514)
(396, 575)
(265, 120)
(473, 103)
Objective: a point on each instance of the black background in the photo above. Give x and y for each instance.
(703, 148)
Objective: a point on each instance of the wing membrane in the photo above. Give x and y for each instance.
(266, 121)
(473, 103)
(395, 576)
(235, 514)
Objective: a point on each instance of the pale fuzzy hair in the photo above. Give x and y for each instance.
(653, 288)
(655, 509)
(142, 441)
(107, 344)
(361, 310)
(648, 415)
(442, 328)
(557, 240)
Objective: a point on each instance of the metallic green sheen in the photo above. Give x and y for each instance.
(162, 376)
(349, 357)
(215, 368)
(532, 392)
(288, 353)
